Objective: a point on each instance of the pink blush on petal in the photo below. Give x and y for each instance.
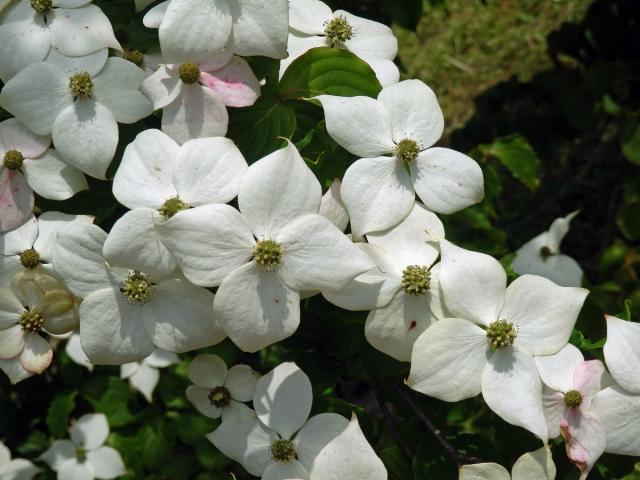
(16, 200)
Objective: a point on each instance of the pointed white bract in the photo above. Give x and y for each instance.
(125, 314)
(80, 110)
(263, 256)
(489, 345)
(30, 31)
(143, 376)
(158, 179)
(85, 455)
(622, 352)
(537, 465)
(15, 468)
(541, 256)
(312, 24)
(219, 391)
(280, 441)
(194, 95)
(393, 135)
(196, 28)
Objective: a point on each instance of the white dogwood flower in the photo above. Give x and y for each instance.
(29, 164)
(619, 411)
(80, 110)
(125, 314)
(197, 28)
(402, 291)
(194, 96)
(159, 178)
(28, 248)
(279, 440)
(393, 134)
(85, 456)
(537, 465)
(571, 383)
(332, 206)
(622, 352)
(16, 468)
(29, 30)
(144, 375)
(541, 256)
(219, 391)
(34, 306)
(265, 256)
(489, 345)
(312, 24)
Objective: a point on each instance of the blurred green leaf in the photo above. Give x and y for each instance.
(518, 156)
(328, 71)
(628, 220)
(59, 411)
(110, 395)
(631, 144)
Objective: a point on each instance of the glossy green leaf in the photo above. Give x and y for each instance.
(59, 411)
(518, 156)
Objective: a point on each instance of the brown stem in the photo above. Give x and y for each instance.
(385, 413)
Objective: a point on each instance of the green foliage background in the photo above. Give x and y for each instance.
(555, 126)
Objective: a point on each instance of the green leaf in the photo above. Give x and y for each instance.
(626, 313)
(256, 129)
(111, 396)
(631, 145)
(518, 156)
(157, 445)
(59, 411)
(628, 220)
(329, 71)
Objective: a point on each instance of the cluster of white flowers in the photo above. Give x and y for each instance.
(264, 236)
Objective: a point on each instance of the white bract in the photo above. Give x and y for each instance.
(332, 206)
(75, 352)
(196, 29)
(265, 256)
(489, 345)
(30, 29)
(622, 352)
(144, 375)
(16, 468)
(313, 24)
(279, 441)
(194, 95)
(28, 248)
(29, 164)
(393, 134)
(35, 305)
(80, 110)
(619, 412)
(158, 179)
(541, 256)
(537, 465)
(85, 456)
(402, 291)
(219, 391)
(571, 383)
(125, 314)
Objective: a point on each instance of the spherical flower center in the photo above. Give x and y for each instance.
(283, 451)
(407, 150)
(416, 279)
(80, 85)
(501, 334)
(29, 258)
(268, 253)
(172, 206)
(137, 288)
(220, 397)
(41, 6)
(189, 72)
(31, 321)
(134, 56)
(545, 252)
(81, 455)
(338, 29)
(13, 159)
(573, 399)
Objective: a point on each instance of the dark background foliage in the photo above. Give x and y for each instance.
(563, 138)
